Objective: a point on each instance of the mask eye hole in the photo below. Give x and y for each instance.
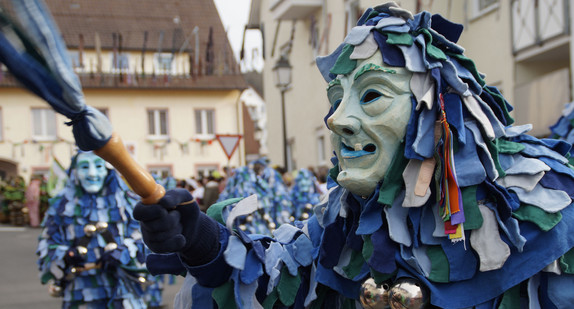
(370, 96)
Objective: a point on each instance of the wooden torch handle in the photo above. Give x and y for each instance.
(140, 180)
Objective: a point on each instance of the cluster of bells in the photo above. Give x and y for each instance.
(271, 225)
(405, 293)
(55, 287)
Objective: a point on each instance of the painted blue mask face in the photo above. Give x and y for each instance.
(372, 107)
(91, 171)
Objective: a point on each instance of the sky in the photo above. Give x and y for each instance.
(234, 15)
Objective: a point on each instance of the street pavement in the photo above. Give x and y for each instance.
(20, 286)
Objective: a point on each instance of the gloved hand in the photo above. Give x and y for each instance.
(110, 259)
(73, 258)
(175, 224)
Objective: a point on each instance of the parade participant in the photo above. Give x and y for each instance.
(32, 197)
(275, 206)
(90, 249)
(304, 194)
(435, 194)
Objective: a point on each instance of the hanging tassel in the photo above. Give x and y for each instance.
(451, 206)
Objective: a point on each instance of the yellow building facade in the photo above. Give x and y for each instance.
(167, 82)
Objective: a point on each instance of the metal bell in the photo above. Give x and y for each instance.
(55, 289)
(101, 226)
(82, 250)
(90, 230)
(374, 296)
(110, 246)
(408, 293)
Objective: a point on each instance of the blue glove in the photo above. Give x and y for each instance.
(175, 224)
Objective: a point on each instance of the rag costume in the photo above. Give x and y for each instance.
(275, 205)
(91, 250)
(472, 208)
(304, 194)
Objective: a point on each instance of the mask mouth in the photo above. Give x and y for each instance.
(348, 152)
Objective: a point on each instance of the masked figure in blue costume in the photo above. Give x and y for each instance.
(91, 250)
(434, 195)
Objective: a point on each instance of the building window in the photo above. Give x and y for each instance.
(157, 123)
(203, 171)
(120, 62)
(77, 62)
(352, 14)
(162, 172)
(43, 124)
(163, 63)
(204, 119)
(481, 7)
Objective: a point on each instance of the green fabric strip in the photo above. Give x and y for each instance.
(494, 154)
(469, 65)
(46, 277)
(321, 291)
(287, 287)
(472, 216)
(508, 147)
(502, 103)
(348, 303)
(344, 64)
(567, 262)
(380, 278)
(215, 210)
(221, 296)
(367, 247)
(399, 38)
(334, 172)
(439, 264)
(544, 220)
(511, 298)
(354, 268)
(431, 50)
(270, 300)
(393, 180)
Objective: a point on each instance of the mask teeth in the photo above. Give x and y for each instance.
(358, 147)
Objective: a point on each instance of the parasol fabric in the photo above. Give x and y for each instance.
(56, 82)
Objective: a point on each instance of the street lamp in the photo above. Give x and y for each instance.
(282, 73)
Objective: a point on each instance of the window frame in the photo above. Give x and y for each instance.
(45, 137)
(157, 124)
(153, 168)
(121, 64)
(477, 12)
(200, 169)
(204, 124)
(160, 67)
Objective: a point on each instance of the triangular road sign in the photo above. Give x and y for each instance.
(229, 143)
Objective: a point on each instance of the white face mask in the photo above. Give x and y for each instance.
(372, 107)
(91, 171)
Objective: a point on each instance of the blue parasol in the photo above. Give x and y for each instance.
(37, 56)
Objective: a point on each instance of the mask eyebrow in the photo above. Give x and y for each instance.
(333, 83)
(370, 67)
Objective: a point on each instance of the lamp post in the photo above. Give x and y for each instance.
(282, 72)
